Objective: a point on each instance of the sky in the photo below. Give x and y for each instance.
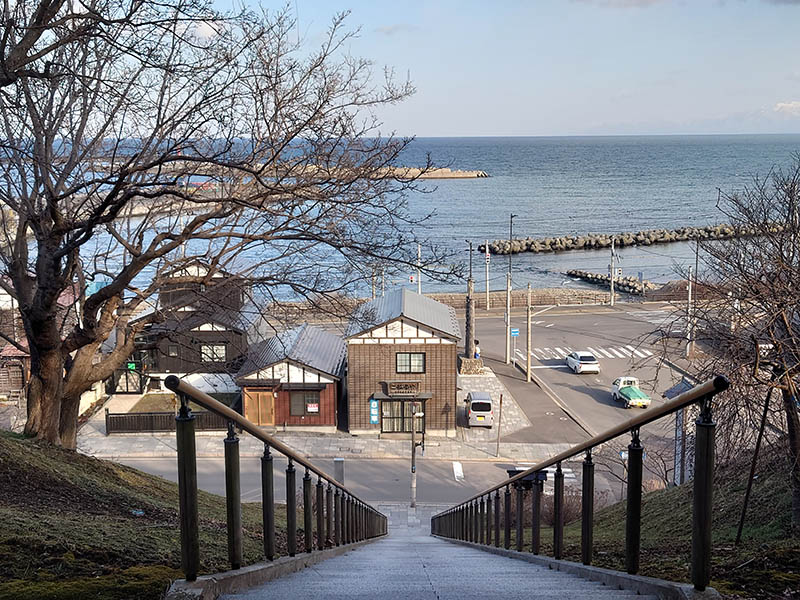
(579, 67)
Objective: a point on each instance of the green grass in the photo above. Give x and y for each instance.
(69, 529)
(765, 565)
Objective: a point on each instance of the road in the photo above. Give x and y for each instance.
(622, 338)
(372, 480)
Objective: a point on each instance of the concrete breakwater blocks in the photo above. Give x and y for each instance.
(640, 238)
(630, 285)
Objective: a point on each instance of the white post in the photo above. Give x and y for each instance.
(508, 318)
(528, 344)
(689, 340)
(419, 272)
(613, 268)
(486, 249)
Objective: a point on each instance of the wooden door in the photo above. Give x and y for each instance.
(259, 406)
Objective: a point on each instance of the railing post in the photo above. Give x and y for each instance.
(187, 490)
(473, 530)
(308, 513)
(233, 498)
(329, 515)
(703, 496)
(536, 516)
(633, 517)
(291, 509)
(337, 518)
(320, 516)
(481, 521)
(587, 509)
(489, 518)
(268, 503)
(558, 513)
(507, 518)
(497, 518)
(520, 517)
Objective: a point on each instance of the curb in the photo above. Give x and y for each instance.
(210, 587)
(649, 586)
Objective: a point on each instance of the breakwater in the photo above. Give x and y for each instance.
(595, 241)
(630, 285)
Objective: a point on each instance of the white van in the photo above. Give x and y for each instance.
(479, 409)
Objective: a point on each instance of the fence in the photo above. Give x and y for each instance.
(160, 421)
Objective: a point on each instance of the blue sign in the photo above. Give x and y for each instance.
(374, 418)
(515, 333)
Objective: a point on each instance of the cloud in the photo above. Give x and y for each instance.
(790, 109)
(395, 28)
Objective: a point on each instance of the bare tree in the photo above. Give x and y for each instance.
(749, 324)
(142, 141)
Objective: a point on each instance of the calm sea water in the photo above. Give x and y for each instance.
(578, 185)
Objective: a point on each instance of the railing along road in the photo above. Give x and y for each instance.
(341, 516)
(472, 519)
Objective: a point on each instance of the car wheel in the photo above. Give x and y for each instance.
(627, 404)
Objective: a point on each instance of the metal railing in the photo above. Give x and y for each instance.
(472, 520)
(341, 516)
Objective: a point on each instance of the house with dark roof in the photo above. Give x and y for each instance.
(402, 354)
(295, 379)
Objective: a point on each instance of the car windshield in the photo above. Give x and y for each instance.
(481, 406)
(587, 358)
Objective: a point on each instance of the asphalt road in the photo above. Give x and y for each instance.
(623, 339)
(371, 480)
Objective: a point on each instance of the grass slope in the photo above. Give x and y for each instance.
(69, 527)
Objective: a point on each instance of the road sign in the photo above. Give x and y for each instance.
(515, 332)
(411, 279)
(374, 419)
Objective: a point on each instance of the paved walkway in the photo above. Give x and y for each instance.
(410, 564)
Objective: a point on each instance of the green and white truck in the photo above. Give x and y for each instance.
(627, 391)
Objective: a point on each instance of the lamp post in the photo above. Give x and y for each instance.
(414, 444)
(469, 343)
(508, 289)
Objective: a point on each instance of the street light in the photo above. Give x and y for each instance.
(510, 239)
(414, 444)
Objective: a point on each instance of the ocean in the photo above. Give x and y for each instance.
(578, 185)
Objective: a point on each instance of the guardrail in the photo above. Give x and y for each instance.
(341, 516)
(160, 421)
(472, 521)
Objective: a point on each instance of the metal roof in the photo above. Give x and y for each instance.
(408, 304)
(307, 345)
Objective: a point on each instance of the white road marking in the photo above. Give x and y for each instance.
(647, 352)
(617, 353)
(606, 352)
(626, 352)
(458, 471)
(562, 353)
(551, 324)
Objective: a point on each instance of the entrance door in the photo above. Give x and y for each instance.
(259, 406)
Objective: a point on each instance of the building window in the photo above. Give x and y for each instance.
(303, 403)
(213, 352)
(410, 362)
(172, 350)
(396, 416)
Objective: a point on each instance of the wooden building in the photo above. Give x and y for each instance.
(294, 379)
(402, 349)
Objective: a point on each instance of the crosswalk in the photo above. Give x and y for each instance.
(601, 352)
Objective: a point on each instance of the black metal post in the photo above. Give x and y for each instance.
(268, 503)
(329, 515)
(703, 496)
(345, 520)
(520, 517)
(536, 516)
(337, 518)
(291, 509)
(633, 517)
(308, 514)
(320, 516)
(507, 518)
(187, 491)
(482, 521)
(233, 498)
(489, 518)
(587, 509)
(558, 513)
(497, 518)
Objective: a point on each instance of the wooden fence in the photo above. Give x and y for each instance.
(160, 421)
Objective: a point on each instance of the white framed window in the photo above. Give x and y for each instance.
(213, 352)
(410, 362)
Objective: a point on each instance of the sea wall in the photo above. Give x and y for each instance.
(631, 285)
(600, 241)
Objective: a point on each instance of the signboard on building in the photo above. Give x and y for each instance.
(374, 419)
(403, 388)
(312, 407)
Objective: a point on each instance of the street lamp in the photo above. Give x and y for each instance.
(510, 239)
(414, 444)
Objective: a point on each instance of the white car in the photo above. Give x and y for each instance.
(583, 362)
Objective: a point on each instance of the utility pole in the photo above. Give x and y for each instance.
(414, 444)
(372, 280)
(469, 345)
(419, 269)
(613, 269)
(499, 423)
(528, 345)
(486, 250)
(383, 281)
(689, 315)
(508, 289)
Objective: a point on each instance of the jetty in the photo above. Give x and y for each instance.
(442, 173)
(595, 241)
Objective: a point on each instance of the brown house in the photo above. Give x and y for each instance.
(294, 379)
(402, 349)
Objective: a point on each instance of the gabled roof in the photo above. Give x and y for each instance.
(186, 321)
(307, 345)
(404, 303)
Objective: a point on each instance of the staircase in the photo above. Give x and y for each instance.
(409, 563)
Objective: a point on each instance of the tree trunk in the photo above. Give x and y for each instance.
(793, 431)
(45, 392)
